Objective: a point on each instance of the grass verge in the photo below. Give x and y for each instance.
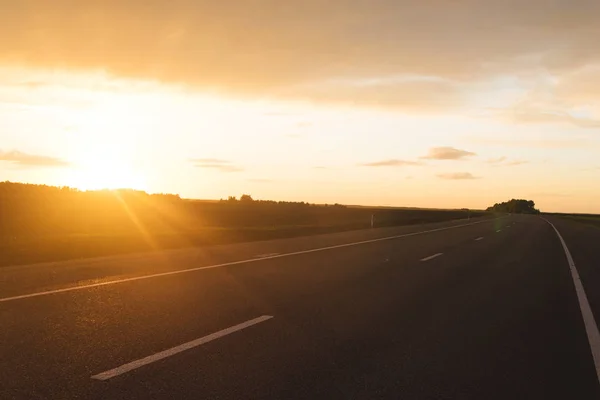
(35, 249)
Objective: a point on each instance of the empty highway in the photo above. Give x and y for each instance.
(479, 309)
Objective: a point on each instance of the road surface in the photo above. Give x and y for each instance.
(480, 309)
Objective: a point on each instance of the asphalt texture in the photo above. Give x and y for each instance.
(496, 318)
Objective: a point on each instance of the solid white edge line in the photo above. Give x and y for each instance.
(178, 349)
(432, 257)
(591, 328)
(183, 271)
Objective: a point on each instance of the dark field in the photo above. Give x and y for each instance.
(40, 223)
(589, 219)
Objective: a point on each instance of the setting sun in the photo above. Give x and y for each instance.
(106, 174)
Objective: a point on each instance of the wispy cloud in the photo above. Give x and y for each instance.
(31, 160)
(414, 94)
(543, 116)
(447, 153)
(31, 84)
(575, 143)
(391, 163)
(221, 168)
(504, 161)
(215, 163)
(457, 176)
(496, 160)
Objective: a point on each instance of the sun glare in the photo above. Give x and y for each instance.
(106, 174)
(108, 124)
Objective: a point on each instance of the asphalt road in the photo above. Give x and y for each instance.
(462, 310)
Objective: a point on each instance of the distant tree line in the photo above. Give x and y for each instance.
(515, 206)
(247, 199)
(47, 211)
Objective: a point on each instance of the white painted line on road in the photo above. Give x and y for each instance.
(591, 328)
(499, 230)
(178, 349)
(479, 238)
(252, 260)
(267, 255)
(432, 257)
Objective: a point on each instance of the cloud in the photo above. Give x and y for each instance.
(408, 93)
(503, 161)
(32, 84)
(31, 160)
(391, 163)
(215, 163)
(457, 176)
(221, 168)
(545, 116)
(570, 143)
(496, 160)
(304, 124)
(568, 99)
(274, 48)
(581, 84)
(447, 153)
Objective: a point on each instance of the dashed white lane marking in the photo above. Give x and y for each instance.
(499, 230)
(178, 349)
(432, 257)
(183, 271)
(267, 255)
(591, 328)
(479, 238)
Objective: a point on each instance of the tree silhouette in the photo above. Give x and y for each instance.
(515, 206)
